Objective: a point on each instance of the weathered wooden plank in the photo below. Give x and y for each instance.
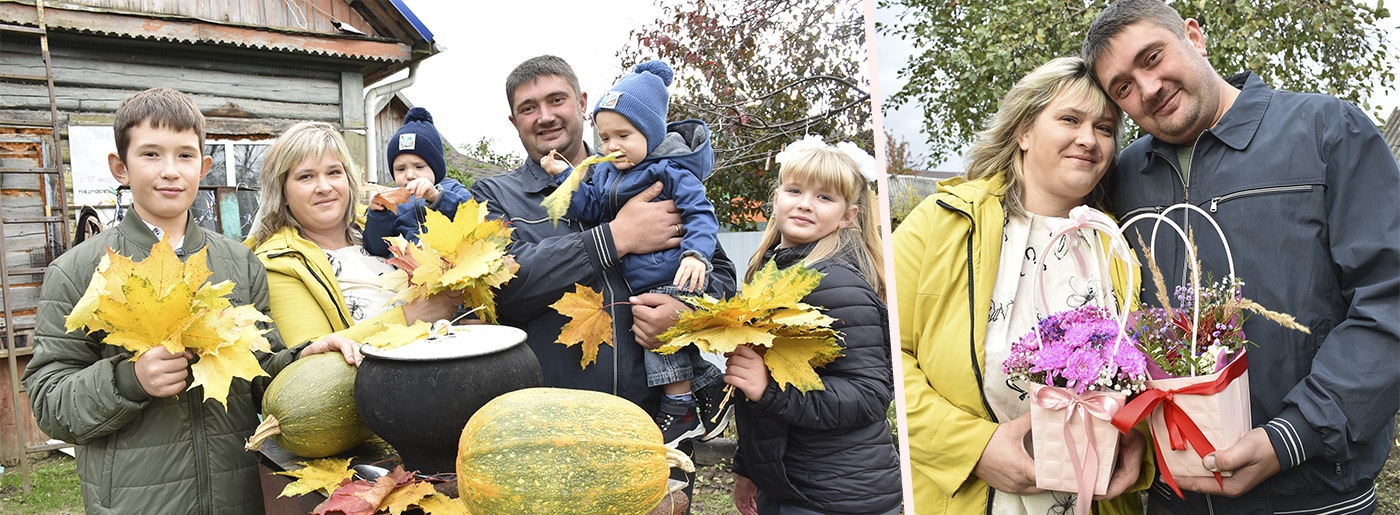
(124, 75)
(243, 127)
(23, 96)
(251, 62)
(352, 104)
(22, 298)
(21, 181)
(10, 448)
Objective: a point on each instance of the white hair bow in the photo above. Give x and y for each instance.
(865, 163)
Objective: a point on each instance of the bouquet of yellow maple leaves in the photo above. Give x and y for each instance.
(161, 301)
(768, 313)
(796, 337)
(466, 254)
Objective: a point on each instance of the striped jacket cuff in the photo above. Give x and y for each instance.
(1294, 440)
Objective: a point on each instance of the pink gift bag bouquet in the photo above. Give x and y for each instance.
(1197, 393)
(1079, 366)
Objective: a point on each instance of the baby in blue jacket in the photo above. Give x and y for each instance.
(631, 117)
(415, 156)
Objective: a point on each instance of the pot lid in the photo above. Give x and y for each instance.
(461, 341)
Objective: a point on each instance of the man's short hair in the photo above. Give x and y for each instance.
(163, 108)
(536, 67)
(1119, 15)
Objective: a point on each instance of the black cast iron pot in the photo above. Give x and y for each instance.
(418, 397)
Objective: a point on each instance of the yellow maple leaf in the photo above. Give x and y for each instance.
(589, 323)
(784, 287)
(393, 335)
(438, 504)
(790, 361)
(317, 475)
(720, 337)
(162, 301)
(402, 497)
(557, 203)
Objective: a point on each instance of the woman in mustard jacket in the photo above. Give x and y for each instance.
(962, 259)
(320, 280)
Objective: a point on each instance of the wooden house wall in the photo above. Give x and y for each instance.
(93, 79)
(298, 15)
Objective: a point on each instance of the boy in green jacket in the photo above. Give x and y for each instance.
(142, 448)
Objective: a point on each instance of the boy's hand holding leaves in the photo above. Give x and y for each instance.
(163, 302)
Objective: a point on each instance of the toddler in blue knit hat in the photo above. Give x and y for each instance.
(631, 117)
(415, 156)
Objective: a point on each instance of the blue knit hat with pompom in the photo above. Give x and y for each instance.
(641, 97)
(420, 137)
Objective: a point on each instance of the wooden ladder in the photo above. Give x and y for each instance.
(50, 170)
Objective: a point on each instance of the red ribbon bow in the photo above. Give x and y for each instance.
(1096, 404)
(1180, 427)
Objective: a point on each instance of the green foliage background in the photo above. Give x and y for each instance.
(972, 51)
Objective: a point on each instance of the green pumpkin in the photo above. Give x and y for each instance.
(309, 408)
(558, 451)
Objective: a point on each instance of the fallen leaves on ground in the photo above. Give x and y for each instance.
(321, 475)
(161, 301)
(394, 492)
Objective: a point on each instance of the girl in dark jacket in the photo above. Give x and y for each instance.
(825, 451)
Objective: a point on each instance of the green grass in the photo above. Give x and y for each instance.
(1388, 481)
(53, 483)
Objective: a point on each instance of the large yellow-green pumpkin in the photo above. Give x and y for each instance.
(559, 452)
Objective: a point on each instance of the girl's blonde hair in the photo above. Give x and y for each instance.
(998, 149)
(859, 243)
(298, 142)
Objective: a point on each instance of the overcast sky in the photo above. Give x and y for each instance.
(464, 86)
(905, 122)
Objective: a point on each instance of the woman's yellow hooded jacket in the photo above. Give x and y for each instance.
(946, 254)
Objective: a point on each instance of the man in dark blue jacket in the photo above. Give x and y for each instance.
(1304, 189)
(547, 109)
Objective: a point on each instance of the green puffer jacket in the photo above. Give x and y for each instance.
(136, 454)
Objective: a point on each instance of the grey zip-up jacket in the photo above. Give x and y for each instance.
(1304, 188)
(552, 259)
(136, 454)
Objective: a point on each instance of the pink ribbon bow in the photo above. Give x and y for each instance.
(1092, 404)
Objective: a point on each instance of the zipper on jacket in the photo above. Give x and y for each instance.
(1141, 210)
(972, 317)
(1258, 191)
(201, 454)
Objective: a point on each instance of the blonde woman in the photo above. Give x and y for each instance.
(962, 263)
(320, 279)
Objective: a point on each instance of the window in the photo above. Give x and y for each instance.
(244, 158)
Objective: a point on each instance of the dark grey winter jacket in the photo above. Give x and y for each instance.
(176, 455)
(829, 450)
(1304, 188)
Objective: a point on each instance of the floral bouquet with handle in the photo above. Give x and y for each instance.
(1197, 397)
(1080, 366)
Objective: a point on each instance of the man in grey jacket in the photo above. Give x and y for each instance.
(547, 109)
(1303, 187)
